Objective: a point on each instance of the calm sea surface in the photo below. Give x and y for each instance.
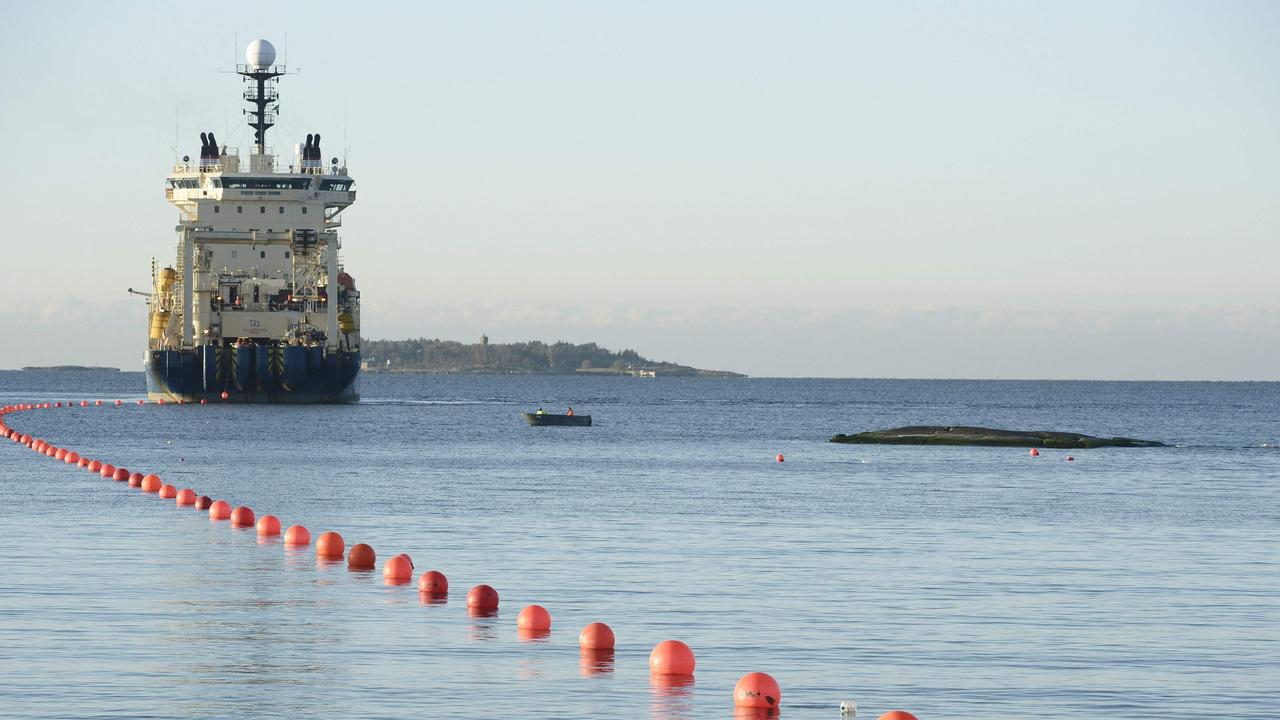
(952, 582)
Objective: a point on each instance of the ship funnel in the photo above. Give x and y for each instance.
(311, 152)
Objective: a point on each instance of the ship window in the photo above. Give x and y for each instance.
(281, 209)
(217, 208)
(239, 208)
(286, 254)
(338, 185)
(304, 209)
(233, 253)
(262, 210)
(266, 183)
(262, 253)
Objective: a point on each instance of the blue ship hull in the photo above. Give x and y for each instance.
(253, 374)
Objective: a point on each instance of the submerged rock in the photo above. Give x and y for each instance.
(956, 435)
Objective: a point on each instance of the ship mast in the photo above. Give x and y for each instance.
(263, 73)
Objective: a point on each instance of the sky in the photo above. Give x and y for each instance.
(1078, 190)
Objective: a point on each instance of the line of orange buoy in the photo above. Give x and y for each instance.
(670, 662)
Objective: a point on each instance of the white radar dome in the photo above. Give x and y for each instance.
(260, 54)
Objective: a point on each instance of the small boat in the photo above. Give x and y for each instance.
(550, 419)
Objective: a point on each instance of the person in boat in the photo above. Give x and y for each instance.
(540, 412)
(570, 412)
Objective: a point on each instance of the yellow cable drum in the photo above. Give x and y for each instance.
(346, 322)
(167, 277)
(159, 321)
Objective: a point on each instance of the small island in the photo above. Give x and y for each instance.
(958, 435)
(525, 358)
(69, 368)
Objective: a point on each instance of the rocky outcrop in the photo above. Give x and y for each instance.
(957, 435)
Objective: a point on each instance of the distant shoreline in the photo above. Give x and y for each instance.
(693, 372)
(535, 357)
(71, 368)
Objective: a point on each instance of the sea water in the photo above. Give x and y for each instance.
(951, 582)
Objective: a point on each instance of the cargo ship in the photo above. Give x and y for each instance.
(257, 307)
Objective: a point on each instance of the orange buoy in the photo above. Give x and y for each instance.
(166, 492)
(84, 403)
(152, 483)
(482, 597)
(268, 526)
(433, 582)
(898, 715)
(397, 569)
(160, 401)
(71, 458)
(523, 634)
(671, 657)
(95, 466)
(406, 557)
(140, 402)
(203, 401)
(83, 462)
(779, 457)
(535, 618)
(225, 395)
(60, 454)
(596, 636)
(109, 472)
(757, 690)
(119, 403)
(220, 510)
(242, 517)
(330, 546)
(185, 496)
(51, 451)
(97, 403)
(135, 480)
(1070, 459)
(297, 535)
(1035, 452)
(203, 502)
(361, 557)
